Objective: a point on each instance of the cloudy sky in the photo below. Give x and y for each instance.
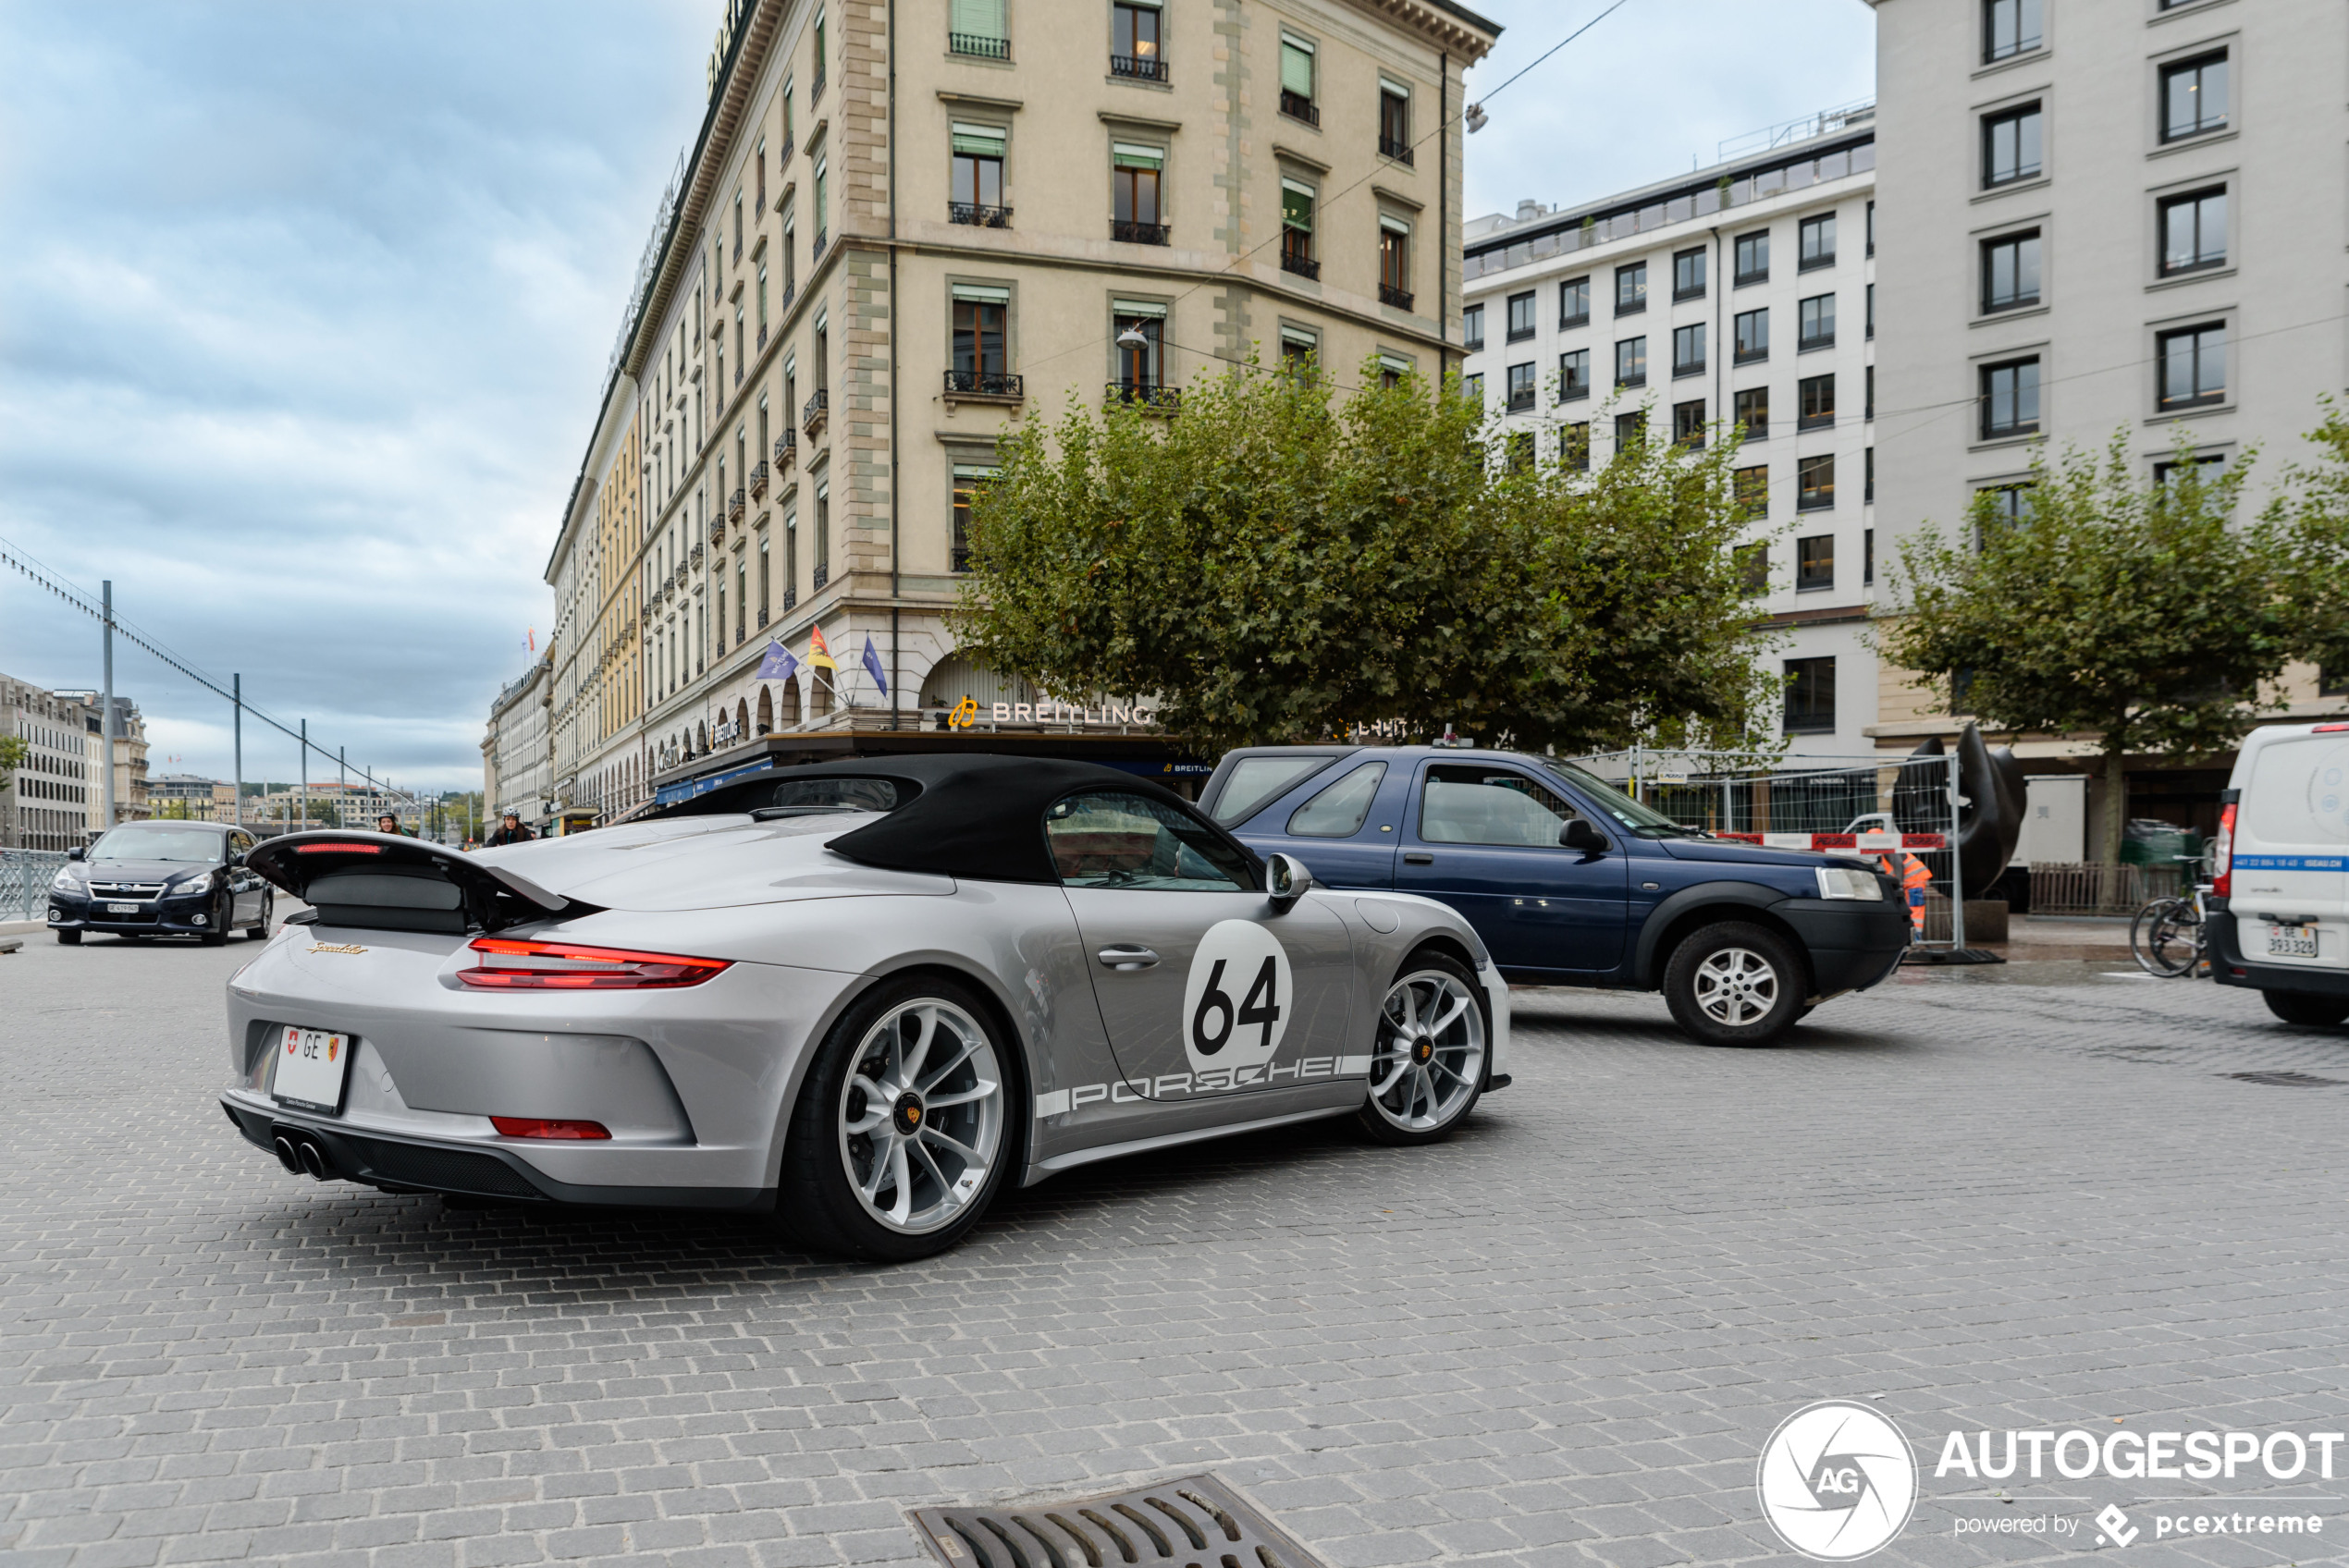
(305, 310)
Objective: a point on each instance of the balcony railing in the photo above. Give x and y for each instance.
(823, 574)
(1294, 259)
(978, 43)
(758, 479)
(1137, 233)
(762, 614)
(762, 335)
(791, 603)
(815, 253)
(983, 384)
(1297, 106)
(959, 558)
(1398, 151)
(1148, 396)
(786, 447)
(811, 418)
(818, 90)
(978, 214)
(735, 507)
(1398, 298)
(1141, 68)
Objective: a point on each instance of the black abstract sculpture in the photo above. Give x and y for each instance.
(1990, 810)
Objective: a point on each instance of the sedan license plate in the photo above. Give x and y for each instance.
(122, 909)
(2291, 941)
(311, 1065)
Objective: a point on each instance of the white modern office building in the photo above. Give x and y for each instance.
(1739, 294)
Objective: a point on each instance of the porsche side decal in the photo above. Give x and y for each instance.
(1235, 998)
(1216, 1080)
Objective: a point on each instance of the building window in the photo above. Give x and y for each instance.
(980, 323)
(1520, 451)
(1867, 382)
(1136, 47)
(1296, 229)
(1297, 80)
(1574, 302)
(1688, 425)
(1688, 275)
(1630, 429)
(1872, 228)
(1688, 349)
(1815, 483)
(1752, 328)
(970, 479)
(977, 183)
(1753, 493)
(2010, 271)
(2193, 97)
(1631, 288)
(1867, 536)
(1815, 327)
(1574, 446)
(1299, 349)
(823, 534)
(2192, 362)
(1520, 317)
(2011, 146)
(2010, 504)
(977, 27)
(1868, 492)
(1818, 243)
(1574, 374)
(1753, 413)
(1394, 122)
(1814, 562)
(1473, 387)
(2194, 232)
(2009, 27)
(1631, 362)
(1138, 327)
(1870, 297)
(1472, 329)
(2011, 397)
(1521, 388)
(2164, 471)
(1753, 258)
(1814, 402)
(1752, 563)
(1394, 263)
(1809, 696)
(1134, 176)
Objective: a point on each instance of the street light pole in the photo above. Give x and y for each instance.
(106, 600)
(302, 780)
(237, 689)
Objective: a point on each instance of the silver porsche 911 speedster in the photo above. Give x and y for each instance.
(857, 996)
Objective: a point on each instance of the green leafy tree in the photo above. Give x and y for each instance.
(2312, 504)
(14, 749)
(1273, 565)
(2138, 612)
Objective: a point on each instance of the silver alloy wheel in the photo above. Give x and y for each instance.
(1736, 987)
(921, 1115)
(1430, 1054)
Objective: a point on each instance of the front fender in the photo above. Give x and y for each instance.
(1647, 962)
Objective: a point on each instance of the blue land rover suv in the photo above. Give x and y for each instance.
(1571, 882)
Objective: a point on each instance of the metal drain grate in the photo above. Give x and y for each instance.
(2285, 1080)
(1193, 1522)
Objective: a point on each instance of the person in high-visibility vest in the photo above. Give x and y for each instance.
(1914, 880)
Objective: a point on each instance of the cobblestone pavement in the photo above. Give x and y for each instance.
(1991, 1198)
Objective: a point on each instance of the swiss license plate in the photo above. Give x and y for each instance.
(122, 909)
(2291, 941)
(311, 1065)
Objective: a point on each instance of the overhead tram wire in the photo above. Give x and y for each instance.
(1442, 128)
(24, 562)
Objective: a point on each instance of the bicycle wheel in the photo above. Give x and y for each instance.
(2166, 937)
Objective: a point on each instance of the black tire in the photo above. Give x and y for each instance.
(1387, 1118)
(2293, 1007)
(820, 1205)
(68, 938)
(261, 933)
(222, 912)
(1735, 965)
(2165, 938)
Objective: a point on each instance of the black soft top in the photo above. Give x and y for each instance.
(973, 815)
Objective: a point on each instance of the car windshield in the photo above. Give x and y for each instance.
(1628, 813)
(156, 841)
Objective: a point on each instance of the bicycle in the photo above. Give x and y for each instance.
(2170, 936)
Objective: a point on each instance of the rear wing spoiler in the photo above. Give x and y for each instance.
(382, 882)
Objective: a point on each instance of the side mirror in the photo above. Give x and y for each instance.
(1287, 880)
(77, 852)
(1580, 835)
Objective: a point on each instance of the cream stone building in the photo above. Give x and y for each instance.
(881, 250)
(46, 803)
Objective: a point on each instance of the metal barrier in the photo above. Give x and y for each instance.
(25, 876)
(2100, 890)
(1897, 811)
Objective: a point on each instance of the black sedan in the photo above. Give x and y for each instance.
(162, 880)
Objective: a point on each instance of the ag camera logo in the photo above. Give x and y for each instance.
(1836, 1481)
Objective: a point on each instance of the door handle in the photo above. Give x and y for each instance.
(1126, 956)
(1418, 857)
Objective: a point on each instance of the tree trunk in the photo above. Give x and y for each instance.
(2116, 815)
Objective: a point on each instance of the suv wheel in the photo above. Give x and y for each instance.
(1735, 984)
(2304, 1006)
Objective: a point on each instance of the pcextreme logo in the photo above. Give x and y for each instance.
(1836, 1481)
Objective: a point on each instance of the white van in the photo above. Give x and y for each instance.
(2281, 921)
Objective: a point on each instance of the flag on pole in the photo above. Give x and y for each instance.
(873, 666)
(820, 655)
(530, 639)
(778, 664)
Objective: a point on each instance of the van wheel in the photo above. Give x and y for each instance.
(2299, 1006)
(1735, 984)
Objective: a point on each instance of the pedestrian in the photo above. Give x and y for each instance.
(510, 831)
(389, 824)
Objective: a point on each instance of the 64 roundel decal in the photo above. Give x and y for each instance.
(1237, 999)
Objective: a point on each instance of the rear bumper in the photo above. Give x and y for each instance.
(1852, 944)
(2229, 967)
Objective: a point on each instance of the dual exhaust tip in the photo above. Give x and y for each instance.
(303, 1154)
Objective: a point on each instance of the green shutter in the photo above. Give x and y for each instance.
(982, 140)
(1126, 155)
(1297, 206)
(1297, 67)
(979, 18)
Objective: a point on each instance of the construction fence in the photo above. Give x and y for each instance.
(25, 876)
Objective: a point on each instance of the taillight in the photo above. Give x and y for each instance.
(512, 965)
(338, 848)
(540, 1127)
(2223, 853)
